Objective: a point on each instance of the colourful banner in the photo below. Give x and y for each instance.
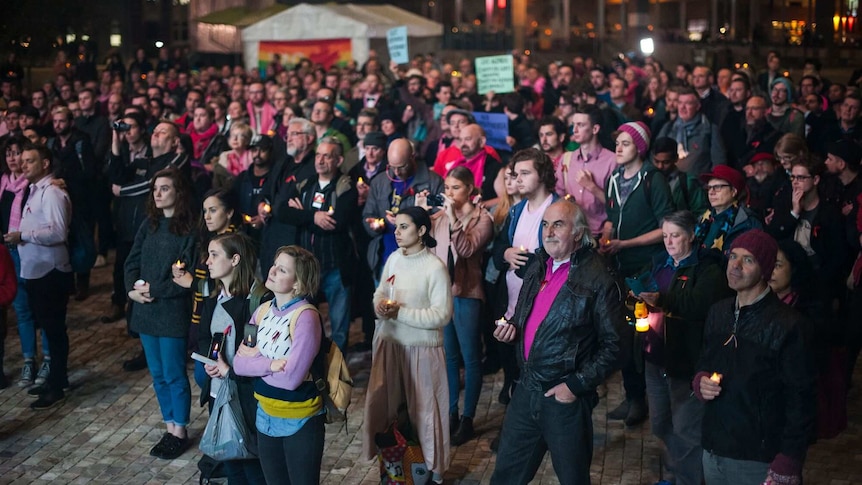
(327, 52)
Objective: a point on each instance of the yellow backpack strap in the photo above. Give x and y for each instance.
(295, 316)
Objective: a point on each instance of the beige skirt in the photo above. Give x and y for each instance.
(416, 376)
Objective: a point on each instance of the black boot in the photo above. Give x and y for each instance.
(465, 431)
(136, 363)
(637, 412)
(620, 412)
(454, 421)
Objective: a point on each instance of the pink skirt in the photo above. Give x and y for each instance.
(416, 376)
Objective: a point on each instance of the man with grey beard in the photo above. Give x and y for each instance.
(289, 171)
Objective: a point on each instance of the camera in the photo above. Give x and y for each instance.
(435, 200)
(121, 126)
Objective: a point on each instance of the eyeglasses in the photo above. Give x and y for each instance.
(399, 169)
(800, 178)
(717, 187)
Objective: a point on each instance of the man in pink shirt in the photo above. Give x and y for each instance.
(568, 326)
(583, 174)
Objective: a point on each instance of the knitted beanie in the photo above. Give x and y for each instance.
(762, 246)
(787, 84)
(639, 132)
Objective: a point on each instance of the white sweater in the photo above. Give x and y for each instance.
(423, 291)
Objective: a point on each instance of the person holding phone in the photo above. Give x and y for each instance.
(462, 231)
(290, 415)
(231, 262)
(160, 307)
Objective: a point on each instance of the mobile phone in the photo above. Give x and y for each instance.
(200, 358)
(250, 335)
(216, 346)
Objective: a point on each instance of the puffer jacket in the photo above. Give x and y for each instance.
(578, 342)
(766, 405)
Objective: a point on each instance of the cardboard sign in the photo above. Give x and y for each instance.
(396, 40)
(495, 73)
(496, 126)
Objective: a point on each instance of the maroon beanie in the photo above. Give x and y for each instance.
(640, 133)
(762, 246)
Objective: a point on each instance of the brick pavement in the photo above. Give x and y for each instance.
(104, 430)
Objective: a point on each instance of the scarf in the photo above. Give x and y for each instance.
(238, 162)
(267, 118)
(16, 187)
(702, 230)
(200, 141)
(681, 130)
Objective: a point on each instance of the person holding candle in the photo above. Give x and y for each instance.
(759, 416)
(231, 263)
(462, 231)
(408, 362)
(160, 307)
(290, 415)
(566, 330)
(690, 280)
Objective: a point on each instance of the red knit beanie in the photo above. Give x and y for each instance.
(640, 133)
(762, 247)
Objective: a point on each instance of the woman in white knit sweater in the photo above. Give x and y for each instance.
(413, 304)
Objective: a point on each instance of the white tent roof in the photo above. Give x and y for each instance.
(306, 21)
(359, 23)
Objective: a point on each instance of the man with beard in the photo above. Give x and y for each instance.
(760, 136)
(261, 114)
(321, 116)
(552, 137)
(75, 163)
(763, 183)
(289, 170)
(782, 115)
(699, 145)
(249, 185)
(599, 82)
(733, 120)
(473, 156)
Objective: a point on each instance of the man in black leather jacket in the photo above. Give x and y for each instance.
(567, 330)
(755, 376)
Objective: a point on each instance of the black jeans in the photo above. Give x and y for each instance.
(535, 424)
(49, 299)
(293, 460)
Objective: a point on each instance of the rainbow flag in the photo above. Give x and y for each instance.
(326, 52)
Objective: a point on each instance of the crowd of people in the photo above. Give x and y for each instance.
(718, 211)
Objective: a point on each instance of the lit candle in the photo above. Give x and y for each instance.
(330, 211)
(522, 248)
(641, 317)
(246, 218)
(179, 264)
(267, 208)
(360, 182)
(501, 321)
(390, 292)
(716, 377)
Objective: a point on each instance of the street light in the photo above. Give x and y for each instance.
(647, 46)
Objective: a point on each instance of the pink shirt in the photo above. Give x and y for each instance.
(526, 235)
(548, 290)
(601, 163)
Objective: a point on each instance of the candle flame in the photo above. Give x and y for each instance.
(267, 208)
(715, 377)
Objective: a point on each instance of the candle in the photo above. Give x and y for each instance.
(246, 218)
(501, 321)
(267, 208)
(390, 292)
(522, 248)
(641, 317)
(179, 264)
(140, 283)
(360, 182)
(716, 377)
(330, 211)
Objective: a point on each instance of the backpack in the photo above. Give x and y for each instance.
(329, 371)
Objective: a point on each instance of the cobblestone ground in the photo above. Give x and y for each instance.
(104, 430)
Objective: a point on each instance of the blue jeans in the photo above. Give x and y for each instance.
(166, 358)
(463, 338)
(338, 297)
(719, 470)
(26, 324)
(534, 424)
(675, 418)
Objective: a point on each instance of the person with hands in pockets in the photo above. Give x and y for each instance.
(566, 329)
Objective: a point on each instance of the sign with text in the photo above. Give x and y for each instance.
(496, 126)
(396, 40)
(495, 73)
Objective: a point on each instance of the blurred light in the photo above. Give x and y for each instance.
(647, 46)
(528, 52)
(85, 37)
(116, 40)
(159, 44)
(70, 38)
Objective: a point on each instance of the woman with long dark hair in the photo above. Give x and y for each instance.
(160, 307)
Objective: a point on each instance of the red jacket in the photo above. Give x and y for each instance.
(8, 278)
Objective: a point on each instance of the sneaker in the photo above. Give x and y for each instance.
(174, 447)
(47, 401)
(28, 373)
(44, 372)
(100, 261)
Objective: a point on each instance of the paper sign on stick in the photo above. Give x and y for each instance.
(396, 40)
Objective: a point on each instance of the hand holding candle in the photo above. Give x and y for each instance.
(504, 331)
(390, 291)
(716, 377)
(331, 210)
(710, 386)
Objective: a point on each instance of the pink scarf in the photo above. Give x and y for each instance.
(200, 141)
(16, 187)
(267, 118)
(238, 162)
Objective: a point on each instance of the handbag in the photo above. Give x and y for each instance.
(401, 459)
(226, 436)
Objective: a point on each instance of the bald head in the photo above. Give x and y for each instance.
(472, 140)
(401, 161)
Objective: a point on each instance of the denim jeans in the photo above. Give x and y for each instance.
(675, 418)
(50, 315)
(296, 459)
(26, 325)
(462, 338)
(719, 470)
(534, 424)
(338, 297)
(166, 358)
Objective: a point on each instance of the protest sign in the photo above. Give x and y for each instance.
(495, 73)
(396, 40)
(496, 126)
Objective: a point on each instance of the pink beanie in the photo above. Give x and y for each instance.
(639, 132)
